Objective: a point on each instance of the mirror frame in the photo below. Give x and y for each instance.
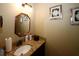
(18, 16)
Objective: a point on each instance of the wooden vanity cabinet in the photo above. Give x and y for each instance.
(40, 51)
(38, 48)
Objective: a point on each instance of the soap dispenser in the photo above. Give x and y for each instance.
(30, 37)
(26, 38)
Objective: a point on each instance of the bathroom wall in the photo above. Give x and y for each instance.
(8, 11)
(62, 38)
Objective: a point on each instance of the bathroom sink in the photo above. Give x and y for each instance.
(22, 50)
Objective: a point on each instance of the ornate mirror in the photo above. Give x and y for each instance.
(22, 24)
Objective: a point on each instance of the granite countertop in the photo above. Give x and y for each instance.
(35, 45)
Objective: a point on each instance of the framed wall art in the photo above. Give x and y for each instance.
(75, 16)
(1, 21)
(55, 12)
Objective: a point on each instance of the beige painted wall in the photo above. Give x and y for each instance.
(9, 11)
(62, 38)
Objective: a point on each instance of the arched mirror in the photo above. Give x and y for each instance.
(22, 24)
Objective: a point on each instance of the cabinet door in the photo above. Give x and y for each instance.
(40, 51)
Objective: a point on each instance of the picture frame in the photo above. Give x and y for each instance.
(56, 12)
(1, 21)
(75, 16)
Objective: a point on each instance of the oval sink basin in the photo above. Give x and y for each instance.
(22, 50)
